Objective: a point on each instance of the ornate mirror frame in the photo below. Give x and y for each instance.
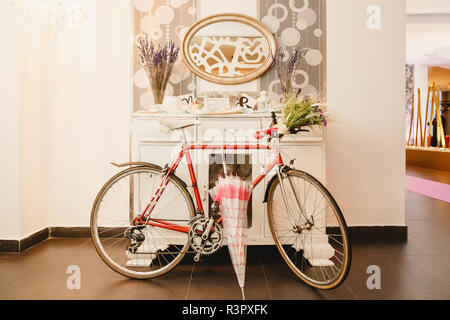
(229, 17)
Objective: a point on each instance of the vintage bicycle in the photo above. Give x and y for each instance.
(144, 219)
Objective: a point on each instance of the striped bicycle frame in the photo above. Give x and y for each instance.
(145, 219)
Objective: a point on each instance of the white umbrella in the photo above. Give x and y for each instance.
(232, 193)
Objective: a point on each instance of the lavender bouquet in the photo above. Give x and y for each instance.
(285, 69)
(158, 64)
(299, 113)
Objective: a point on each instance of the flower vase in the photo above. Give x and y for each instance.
(158, 97)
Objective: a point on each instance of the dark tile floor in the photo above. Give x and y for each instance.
(418, 268)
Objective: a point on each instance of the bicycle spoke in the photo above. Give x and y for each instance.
(318, 233)
(160, 251)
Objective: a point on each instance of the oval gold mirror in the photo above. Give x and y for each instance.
(229, 49)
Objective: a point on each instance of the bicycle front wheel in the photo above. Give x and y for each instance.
(309, 230)
(141, 251)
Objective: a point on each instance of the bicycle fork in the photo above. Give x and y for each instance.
(296, 227)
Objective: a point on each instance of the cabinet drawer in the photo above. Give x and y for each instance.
(153, 130)
(231, 130)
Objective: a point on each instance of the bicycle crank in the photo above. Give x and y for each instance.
(205, 236)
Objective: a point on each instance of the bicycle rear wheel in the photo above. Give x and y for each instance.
(310, 231)
(141, 251)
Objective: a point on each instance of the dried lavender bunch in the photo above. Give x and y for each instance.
(285, 69)
(158, 64)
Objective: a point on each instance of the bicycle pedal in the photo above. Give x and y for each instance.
(197, 257)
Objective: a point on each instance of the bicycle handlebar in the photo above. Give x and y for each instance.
(274, 132)
(268, 132)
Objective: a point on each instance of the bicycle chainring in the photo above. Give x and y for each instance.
(210, 245)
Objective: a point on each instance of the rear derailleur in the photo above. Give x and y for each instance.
(136, 236)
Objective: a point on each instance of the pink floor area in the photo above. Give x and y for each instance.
(436, 190)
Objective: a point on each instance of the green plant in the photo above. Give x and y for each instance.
(301, 112)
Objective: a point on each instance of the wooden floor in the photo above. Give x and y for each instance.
(418, 268)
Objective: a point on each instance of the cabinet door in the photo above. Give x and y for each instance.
(238, 162)
(308, 158)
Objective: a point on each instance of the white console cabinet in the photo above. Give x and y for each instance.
(153, 142)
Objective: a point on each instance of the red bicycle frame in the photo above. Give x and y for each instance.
(144, 218)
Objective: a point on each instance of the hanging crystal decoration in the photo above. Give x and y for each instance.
(52, 17)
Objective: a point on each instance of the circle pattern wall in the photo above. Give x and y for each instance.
(295, 23)
(162, 20)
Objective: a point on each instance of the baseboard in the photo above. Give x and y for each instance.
(378, 233)
(16, 246)
(357, 233)
(34, 239)
(70, 232)
(7, 246)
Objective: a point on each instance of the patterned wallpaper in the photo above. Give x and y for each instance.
(163, 20)
(295, 23)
